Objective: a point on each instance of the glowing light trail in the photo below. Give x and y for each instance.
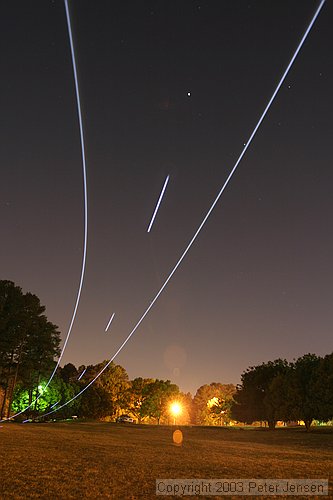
(247, 144)
(84, 171)
(158, 203)
(84, 371)
(55, 404)
(109, 323)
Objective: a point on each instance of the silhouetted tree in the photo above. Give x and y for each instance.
(324, 387)
(29, 343)
(304, 389)
(95, 403)
(114, 384)
(69, 373)
(252, 397)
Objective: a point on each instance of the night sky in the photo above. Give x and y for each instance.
(257, 283)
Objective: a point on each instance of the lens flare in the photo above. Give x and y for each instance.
(177, 437)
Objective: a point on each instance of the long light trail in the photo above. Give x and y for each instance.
(84, 170)
(110, 321)
(247, 144)
(158, 203)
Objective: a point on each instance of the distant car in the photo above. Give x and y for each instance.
(125, 419)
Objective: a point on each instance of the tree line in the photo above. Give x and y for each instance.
(29, 346)
(287, 392)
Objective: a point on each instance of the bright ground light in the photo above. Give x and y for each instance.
(176, 409)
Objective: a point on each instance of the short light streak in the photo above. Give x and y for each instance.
(55, 404)
(84, 371)
(158, 203)
(207, 214)
(109, 323)
(84, 170)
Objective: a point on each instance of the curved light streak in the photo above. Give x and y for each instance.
(84, 169)
(158, 203)
(247, 144)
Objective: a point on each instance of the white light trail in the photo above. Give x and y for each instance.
(84, 171)
(158, 203)
(209, 211)
(84, 371)
(109, 323)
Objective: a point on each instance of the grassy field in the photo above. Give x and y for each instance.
(103, 460)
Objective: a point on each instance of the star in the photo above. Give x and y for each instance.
(188, 94)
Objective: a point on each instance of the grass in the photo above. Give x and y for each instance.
(102, 460)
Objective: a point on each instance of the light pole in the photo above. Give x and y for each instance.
(176, 410)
